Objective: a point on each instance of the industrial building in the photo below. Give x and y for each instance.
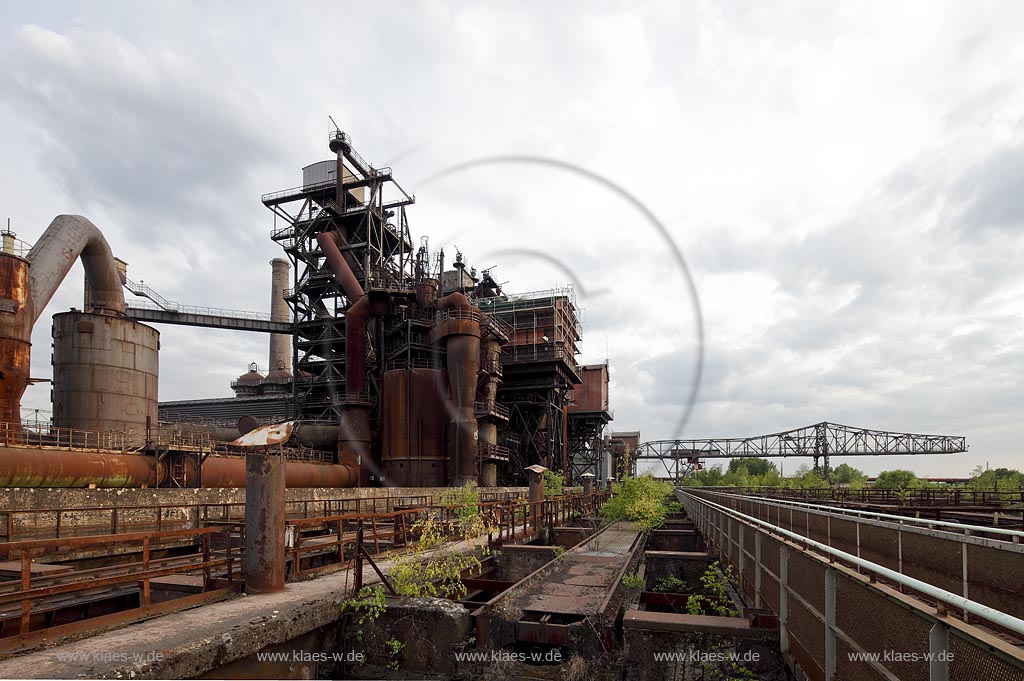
(396, 365)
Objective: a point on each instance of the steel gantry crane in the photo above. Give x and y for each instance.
(820, 441)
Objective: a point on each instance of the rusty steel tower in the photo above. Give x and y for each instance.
(344, 196)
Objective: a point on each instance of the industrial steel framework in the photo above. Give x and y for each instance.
(539, 366)
(371, 212)
(820, 441)
(585, 442)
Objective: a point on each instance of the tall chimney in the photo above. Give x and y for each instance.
(280, 343)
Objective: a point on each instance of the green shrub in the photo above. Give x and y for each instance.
(640, 500)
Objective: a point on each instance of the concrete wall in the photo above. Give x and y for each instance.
(516, 562)
(688, 566)
(676, 540)
(698, 640)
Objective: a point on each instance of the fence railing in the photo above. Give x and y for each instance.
(46, 435)
(845, 616)
(32, 588)
(912, 497)
(979, 567)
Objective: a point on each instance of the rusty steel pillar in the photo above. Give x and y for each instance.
(536, 473)
(588, 485)
(263, 564)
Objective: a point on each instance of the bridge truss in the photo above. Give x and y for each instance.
(820, 441)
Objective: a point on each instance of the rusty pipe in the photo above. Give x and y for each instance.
(354, 433)
(462, 341)
(68, 468)
(336, 261)
(27, 285)
(316, 436)
(220, 471)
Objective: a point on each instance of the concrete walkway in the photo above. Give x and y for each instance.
(196, 641)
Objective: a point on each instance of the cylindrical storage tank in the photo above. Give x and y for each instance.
(105, 372)
(15, 336)
(413, 427)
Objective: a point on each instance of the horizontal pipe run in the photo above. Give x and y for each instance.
(983, 611)
(22, 467)
(230, 472)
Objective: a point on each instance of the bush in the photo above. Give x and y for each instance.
(897, 480)
(553, 483)
(640, 500)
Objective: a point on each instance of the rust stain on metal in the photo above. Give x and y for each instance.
(265, 436)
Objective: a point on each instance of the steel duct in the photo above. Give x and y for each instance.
(53, 468)
(461, 332)
(354, 433)
(27, 284)
(219, 471)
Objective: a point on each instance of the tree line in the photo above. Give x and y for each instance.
(757, 472)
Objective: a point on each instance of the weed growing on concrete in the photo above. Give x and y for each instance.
(394, 648)
(716, 584)
(365, 607)
(634, 582)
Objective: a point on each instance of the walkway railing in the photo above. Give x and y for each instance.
(33, 588)
(986, 570)
(843, 616)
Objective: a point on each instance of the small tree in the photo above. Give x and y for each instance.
(845, 474)
(641, 500)
(754, 465)
(898, 479)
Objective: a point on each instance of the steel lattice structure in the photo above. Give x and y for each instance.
(820, 441)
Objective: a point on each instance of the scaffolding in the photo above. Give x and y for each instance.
(371, 212)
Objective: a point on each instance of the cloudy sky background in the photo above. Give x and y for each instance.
(845, 181)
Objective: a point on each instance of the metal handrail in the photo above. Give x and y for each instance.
(15, 435)
(948, 597)
(1016, 534)
(14, 246)
(205, 311)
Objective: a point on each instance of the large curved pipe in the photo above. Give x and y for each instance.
(68, 238)
(354, 433)
(27, 285)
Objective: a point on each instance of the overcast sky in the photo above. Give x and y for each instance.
(845, 181)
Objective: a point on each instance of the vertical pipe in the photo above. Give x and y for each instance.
(263, 564)
(536, 474)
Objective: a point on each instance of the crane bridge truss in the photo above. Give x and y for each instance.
(820, 441)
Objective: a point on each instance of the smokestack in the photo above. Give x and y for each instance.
(280, 343)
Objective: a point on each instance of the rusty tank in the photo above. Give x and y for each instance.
(413, 428)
